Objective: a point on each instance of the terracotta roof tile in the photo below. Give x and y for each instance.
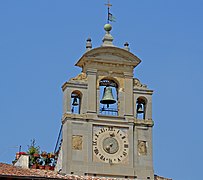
(10, 170)
(6, 169)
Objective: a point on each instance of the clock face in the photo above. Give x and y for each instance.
(110, 144)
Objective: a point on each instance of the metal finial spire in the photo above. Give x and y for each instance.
(108, 5)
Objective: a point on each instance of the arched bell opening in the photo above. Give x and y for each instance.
(76, 97)
(108, 97)
(141, 105)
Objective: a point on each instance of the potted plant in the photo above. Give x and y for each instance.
(33, 151)
(44, 154)
(33, 148)
(51, 155)
(36, 155)
(41, 163)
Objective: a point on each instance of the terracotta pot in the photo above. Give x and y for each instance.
(47, 167)
(51, 156)
(52, 168)
(36, 155)
(35, 166)
(44, 155)
(41, 167)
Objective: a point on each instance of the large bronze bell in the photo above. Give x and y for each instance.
(108, 96)
(140, 108)
(75, 101)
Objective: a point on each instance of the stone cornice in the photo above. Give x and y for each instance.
(117, 120)
(94, 118)
(142, 91)
(75, 84)
(144, 123)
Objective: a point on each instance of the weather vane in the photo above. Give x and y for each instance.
(110, 16)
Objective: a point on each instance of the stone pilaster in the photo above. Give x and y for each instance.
(92, 94)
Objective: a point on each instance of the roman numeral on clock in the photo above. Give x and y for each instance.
(110, 128)
(96, 151)
(102, 158)
(94, 142)
(125, 145)
(124, 153)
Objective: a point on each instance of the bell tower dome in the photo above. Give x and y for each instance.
(107, 116)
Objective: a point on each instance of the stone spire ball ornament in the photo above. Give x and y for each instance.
(107, 27)
(108, 38)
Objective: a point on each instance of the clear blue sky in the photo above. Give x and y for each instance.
(41, 40)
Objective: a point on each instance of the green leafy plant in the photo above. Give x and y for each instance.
(33, 149)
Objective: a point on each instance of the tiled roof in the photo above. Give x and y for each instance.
(6, 169)
(10, 170)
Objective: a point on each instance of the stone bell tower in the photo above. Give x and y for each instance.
(107, 116)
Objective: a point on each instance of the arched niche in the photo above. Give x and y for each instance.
(76, 98)
(108, 87)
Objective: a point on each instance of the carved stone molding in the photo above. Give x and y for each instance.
(80, 77)
(77, 142)
(138, 84)
(142, 148)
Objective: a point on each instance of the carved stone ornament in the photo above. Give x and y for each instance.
(80, 77)
(137, 83)
(142, 148)
(76, 142)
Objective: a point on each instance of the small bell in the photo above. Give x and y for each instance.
(75, 102)
(140, 108)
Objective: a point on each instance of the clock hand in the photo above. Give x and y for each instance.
(108, 148)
